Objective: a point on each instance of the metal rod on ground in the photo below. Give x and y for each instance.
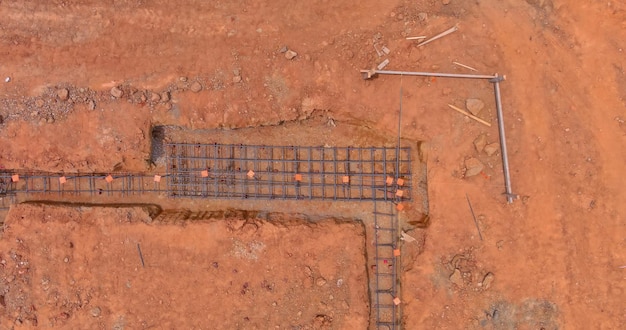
(505, 157)
(399, 133)
(143, 264)
(474, 216)
(371, 73)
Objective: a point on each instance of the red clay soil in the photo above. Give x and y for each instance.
(555, 255)
(81, 269)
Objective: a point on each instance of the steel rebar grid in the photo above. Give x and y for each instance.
(385, 241)
(280, 172)
(504, 154)
(92, 184)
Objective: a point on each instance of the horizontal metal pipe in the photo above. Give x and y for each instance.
(433, 74)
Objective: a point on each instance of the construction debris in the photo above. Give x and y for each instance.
(480, 142)
(487, 280)
(491, 149)
(195, 87)
(386, 50)
(380, 54)
(383, 64)
(63, 94)
(464, 66)
(440, 35)
(116, 92)
(469, 115)
(416, 38)
(475, 106)
(473, 167)
(290, 54)
(407, 238)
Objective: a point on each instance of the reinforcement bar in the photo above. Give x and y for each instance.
(287, 172)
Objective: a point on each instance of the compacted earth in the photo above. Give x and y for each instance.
(83, 82)
(111, 268)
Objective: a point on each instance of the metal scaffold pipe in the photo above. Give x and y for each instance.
(370, 73)
(505, 156)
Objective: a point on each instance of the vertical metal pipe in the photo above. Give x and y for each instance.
(505, 157)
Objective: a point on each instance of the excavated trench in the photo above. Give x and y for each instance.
(253, 213)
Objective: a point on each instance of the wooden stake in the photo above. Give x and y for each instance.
(469, 115)
(440, 35)
(465, 66)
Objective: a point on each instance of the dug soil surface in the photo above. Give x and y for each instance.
(106, 268)
(88, 79)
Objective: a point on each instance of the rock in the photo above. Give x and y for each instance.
(320, 281)
(492, 148)
(487, 280)
(39, 103)
(155, 97)
(91, 105)
(473, 166)
(165, 96)
(96, 311)
(308, 271)
(142, 97)
(236, 72)
(422, 16)
(474, 106)
(116, 92)
(183, 79)
(50, 120)
(480, 142)
(445, 2)
(290, 54)
(283, 49)
(236, 79)
(63, 94)
(456, 277)
(446, 91)
(195, 87)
